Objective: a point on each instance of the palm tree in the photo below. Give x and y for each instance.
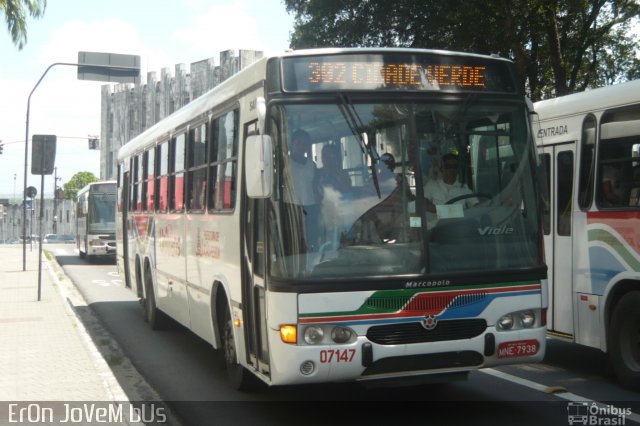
(15, 14)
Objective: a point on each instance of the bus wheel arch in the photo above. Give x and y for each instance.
(239, 376)
(139, 282)
(623, 336)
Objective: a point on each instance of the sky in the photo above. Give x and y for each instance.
(163, 34)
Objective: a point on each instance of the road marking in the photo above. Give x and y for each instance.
(572, 397)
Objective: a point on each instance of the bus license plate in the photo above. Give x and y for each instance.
(518, 348)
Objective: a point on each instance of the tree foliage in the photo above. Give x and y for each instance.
(558, 46)
(15, 15)
(76, 183)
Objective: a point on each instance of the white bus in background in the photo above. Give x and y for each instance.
(298, 281)
(591, 146)
(95, 220)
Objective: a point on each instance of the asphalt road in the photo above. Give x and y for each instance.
(189, 375)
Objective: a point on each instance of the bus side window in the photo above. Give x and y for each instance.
(196, 163)
(163, 179)
(151, 187)
(587, 156)
(177, 163)
(224, 158)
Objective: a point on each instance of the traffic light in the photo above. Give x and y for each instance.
(1, 147)
(94, 143)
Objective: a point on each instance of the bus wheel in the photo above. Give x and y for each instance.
(240, 378)
(155, 317)
(624, 340)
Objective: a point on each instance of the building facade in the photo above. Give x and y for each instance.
(127, 110)
(58, 217)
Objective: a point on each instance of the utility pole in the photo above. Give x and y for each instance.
(55, 200)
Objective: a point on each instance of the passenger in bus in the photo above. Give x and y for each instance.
(332, 174)
(299, 194)
(388, 217)
(198, 193)
(439, 191)
(610, 190)
(333, 186)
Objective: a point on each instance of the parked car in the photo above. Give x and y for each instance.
(52, 238)
(68, 239)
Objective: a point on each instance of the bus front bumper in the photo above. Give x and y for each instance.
(364, 360)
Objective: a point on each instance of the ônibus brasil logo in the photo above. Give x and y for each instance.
(596, 414)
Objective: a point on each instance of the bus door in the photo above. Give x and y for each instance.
(253, 280)
(558, 240)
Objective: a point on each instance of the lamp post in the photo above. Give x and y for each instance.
(95, 66)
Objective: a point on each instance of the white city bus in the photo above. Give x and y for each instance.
(228, 229)
(591, 146)
(96, 220)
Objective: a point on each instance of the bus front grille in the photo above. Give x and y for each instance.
(414, 332)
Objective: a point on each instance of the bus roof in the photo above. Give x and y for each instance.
(99, 182)
(361, 50)
(618, 95)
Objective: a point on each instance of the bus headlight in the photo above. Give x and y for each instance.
(327, 334)
(313, 335)
(528, 319)
(517, 320)
(505, 322)
(341, 334)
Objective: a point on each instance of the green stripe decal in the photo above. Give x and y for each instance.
(390, 301)
(606, 237)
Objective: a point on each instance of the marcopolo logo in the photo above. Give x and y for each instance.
(596, 414)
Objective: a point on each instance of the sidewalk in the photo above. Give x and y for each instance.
(45, 352)
(49, 355)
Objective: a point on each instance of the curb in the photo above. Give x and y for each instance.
(107, 355)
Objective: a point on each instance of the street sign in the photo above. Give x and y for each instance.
(31, 192)
(112, 67)
(43, 154)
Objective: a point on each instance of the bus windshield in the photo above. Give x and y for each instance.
(102, 214)
(388, 189)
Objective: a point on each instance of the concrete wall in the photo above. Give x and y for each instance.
(64, 217)
(128, 110)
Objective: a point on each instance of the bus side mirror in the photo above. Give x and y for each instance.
(258, 166)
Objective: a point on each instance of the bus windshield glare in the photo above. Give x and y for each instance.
(388, 189)
(102, 215)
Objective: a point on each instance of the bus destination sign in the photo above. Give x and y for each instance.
(396, 72)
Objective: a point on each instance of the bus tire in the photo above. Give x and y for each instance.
(240, 378)
(624, 340)
(155, 317)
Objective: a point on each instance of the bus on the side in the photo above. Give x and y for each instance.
(96, 220)
(590, 143)
(285, 217)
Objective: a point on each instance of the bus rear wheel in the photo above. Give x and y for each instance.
(241, 379)
(624, 340)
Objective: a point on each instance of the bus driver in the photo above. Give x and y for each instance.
(439, 191)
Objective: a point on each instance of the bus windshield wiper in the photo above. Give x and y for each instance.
(354, 122)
